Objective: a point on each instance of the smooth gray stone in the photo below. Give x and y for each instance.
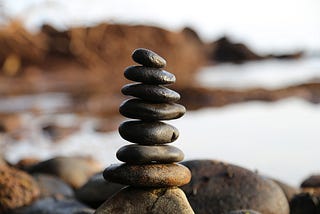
(154, 76)
(148, 133)
(140, 109)
(139, 154)
(153, 93)
(148, 58)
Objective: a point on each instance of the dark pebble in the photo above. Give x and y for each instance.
(138, 154)
(140, 109)
(97, 190)
(153, 175)
(148, 58)
(312, 181)
(153, 76)
(304, 203)
(53, 205)
(152, 93)
(148, 133)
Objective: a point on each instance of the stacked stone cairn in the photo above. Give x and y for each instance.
(149, 169)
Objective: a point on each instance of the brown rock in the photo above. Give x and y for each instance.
(17, 189)
(218, 187)
(75, 171)
(154, 175)
(147, 201)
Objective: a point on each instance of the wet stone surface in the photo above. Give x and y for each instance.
(153, 175)
(153, 93)
(140, 109)
(138, 154)
(148, 133)
(148, 58)
(153, 76)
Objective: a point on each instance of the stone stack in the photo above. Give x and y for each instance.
(149, 169)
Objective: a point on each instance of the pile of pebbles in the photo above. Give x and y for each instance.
(149, 163)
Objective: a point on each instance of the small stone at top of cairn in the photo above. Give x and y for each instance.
(149, 169)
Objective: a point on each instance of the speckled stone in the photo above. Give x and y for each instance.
(138, 154)
(148, 133)
(140, 109)
(153, 76)
(154, 93)
(132, 200)
(153, 175)
(148, 58)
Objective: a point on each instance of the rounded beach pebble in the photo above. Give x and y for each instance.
(153, 175)
(140, 109)
(148, 133)
(17, 189)
(154, 93)
(153, 76)
(138, 154)
(148, 58)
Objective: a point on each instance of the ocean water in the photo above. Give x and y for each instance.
(268, 74)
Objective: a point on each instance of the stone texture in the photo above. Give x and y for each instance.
(148, 133)
(140, 109)
(153, 76)
(218, 187)
(52, 186)
(153, 175)
(153, 93)
(148, 58)
(138, 154)
(147, 201)
(75, 171)
(17, 189)
(97, 190)
(55, 206)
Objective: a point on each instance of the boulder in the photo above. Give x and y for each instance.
(218, 187)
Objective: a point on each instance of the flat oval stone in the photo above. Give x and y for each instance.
(140, 109)
(154, 93)
(153, 175)
(148, 133)
(138, 154)
(148, 58)
(154, 76)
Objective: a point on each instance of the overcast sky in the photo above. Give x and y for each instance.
(266, 25)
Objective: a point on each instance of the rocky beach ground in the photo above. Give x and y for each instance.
(81, 70)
